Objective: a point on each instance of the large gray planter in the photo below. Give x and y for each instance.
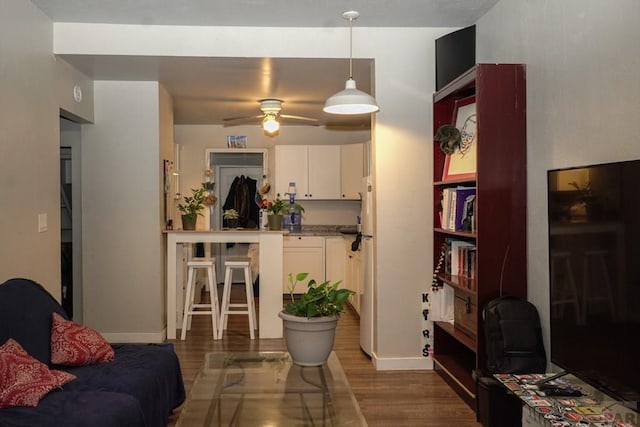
(309, 341)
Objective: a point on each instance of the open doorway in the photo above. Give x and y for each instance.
(70, 219)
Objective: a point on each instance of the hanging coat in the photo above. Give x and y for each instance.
(241, 197)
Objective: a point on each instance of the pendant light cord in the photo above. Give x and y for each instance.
(350, 47)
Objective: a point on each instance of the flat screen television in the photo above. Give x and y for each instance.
(455, 54)
(594, 276)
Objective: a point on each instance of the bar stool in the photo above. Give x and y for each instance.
(563, 285)
(237, 262)
(208, 264)
(597, 291)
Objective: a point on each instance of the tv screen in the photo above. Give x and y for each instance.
(594, 251)
(455, 54)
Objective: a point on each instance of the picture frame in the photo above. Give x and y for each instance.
(461, 164)
(236, 141)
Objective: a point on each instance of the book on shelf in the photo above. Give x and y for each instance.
(465, 203)
(458, 209)
(460, 260)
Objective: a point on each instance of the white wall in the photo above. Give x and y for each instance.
(121, 181)
(404, 82)
(583, 94)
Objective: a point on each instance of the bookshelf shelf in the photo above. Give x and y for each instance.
(455, 233)
(499, 234)
(459, 282)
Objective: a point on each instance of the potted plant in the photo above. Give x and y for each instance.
(192, 207)
(587, 201)
(276, 210)
(231, 217)
(310, 320)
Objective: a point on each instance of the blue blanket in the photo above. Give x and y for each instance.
(139, 388)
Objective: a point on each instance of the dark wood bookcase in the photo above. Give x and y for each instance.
(501, 196)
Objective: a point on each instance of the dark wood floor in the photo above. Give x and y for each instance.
(386, 398)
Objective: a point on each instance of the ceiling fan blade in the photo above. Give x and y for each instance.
(231, 119)
(288, 116)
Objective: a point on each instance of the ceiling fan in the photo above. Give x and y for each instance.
(270, 108)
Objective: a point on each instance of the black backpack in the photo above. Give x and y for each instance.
(513, 337)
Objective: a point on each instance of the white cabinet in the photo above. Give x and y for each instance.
(302, 254)
(351, 170)
(314, 168)
(292, 166)
(353, 274)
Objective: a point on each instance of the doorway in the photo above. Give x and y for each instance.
(70, 219)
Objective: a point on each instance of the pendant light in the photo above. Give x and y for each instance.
(351, 100)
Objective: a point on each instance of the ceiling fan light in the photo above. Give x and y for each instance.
(270, 124)
(351, 101)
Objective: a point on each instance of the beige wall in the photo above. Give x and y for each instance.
(166, 153)
(404, 82)
(123, 269)
(29, 181)
(582, 58)
(195, 139)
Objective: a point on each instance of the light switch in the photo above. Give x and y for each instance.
(42, 223)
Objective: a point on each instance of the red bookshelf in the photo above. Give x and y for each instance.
(500, 209)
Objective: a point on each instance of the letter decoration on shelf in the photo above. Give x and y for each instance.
(426, 332)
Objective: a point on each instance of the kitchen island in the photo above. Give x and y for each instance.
(270, 268)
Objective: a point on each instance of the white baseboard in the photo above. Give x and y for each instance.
(136, 337)
(402, 363)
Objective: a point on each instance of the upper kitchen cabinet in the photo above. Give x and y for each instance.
(315, 169)
(352, 170)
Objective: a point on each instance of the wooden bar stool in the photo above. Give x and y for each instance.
(237, 262)
(597, 289)
(209, 265)
(563, 286)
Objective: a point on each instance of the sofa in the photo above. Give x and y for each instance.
(141, 386)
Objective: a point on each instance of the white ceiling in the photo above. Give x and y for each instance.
(206, 90)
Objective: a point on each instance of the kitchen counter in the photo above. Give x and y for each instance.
(269, 324)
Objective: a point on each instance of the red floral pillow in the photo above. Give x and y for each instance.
(73, 344)
(23, 379)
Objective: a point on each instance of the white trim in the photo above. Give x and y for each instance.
(402, 363)
(136, 337)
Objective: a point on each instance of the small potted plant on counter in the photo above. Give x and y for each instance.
(231, 218)
(276, 210)
(192, 207)
(310, 320)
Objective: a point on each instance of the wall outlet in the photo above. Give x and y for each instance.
(42, 223)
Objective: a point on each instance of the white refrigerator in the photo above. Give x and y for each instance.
(368, 292)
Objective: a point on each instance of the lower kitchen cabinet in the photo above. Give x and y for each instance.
(303, 254)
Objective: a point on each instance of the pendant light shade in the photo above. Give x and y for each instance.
(351, 100)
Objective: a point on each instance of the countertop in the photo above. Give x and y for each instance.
(307, 230)
(325, 230)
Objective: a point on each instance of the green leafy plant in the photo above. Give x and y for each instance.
(279, 206)
(193, 205)
(230, 214)
(324, 299)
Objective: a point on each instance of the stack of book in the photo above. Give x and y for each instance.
(458, 209)
(460, 260)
